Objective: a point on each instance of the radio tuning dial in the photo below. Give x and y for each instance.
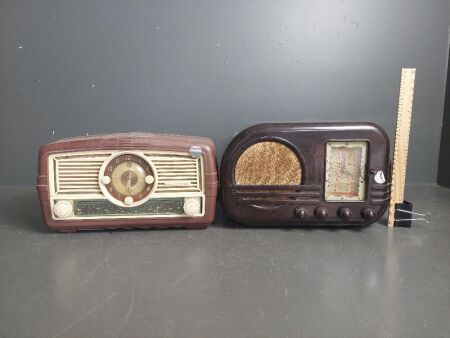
(300, 213)
(368, 213)
(127, 179)
(63, 209)
(345, 213)
(192, 206)
(321, 213)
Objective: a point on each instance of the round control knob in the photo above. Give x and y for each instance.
(192, 206)
(106, 180)
(149, 179)
(368, 213)
(345, 213)
(300, 213)
(63, 209)
(321, 213)
(128, 200)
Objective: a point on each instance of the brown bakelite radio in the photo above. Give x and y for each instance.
(325, 174)
(132, 180)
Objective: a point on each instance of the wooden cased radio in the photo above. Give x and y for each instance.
(325, 174)
(130, 180)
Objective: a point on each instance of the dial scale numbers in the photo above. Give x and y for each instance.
(127, 179)
(345, 171)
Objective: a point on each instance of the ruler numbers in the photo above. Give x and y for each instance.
(405, 102)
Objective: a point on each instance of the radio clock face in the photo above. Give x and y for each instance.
(128, 179)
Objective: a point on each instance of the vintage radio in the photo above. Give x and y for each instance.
(131, 180)
(325, 174)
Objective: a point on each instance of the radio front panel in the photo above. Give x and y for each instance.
(79, 179)
(128, 180)
(306, 174)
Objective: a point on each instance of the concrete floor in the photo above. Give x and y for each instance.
(225, 281)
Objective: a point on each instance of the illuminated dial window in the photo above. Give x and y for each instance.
(129, 178)
(345, 172)
(268, 163)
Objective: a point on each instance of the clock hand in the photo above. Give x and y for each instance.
(129, 183)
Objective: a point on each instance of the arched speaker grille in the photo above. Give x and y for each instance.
(268, 163)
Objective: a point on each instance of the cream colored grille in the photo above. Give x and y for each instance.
(177, 173)
(78, 174)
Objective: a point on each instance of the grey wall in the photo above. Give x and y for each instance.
(212, 67)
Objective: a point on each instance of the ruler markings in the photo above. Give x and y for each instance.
(402, 132)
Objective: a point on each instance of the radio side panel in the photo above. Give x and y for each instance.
(143, 142)
(323, 149)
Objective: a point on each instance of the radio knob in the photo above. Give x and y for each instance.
(344, 213)
(300, 213)
(128, 200)
(192, 206)
(368, 214)
(321, 213)
(149, 179)
(106, 180)
(63, 209)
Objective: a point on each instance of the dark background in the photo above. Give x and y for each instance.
(213, 67)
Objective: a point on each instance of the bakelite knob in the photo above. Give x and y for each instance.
(345, 213)
(321, 213)
(368, 213)
(300, 213)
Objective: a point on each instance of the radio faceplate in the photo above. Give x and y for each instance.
(127, 180)
(306, 174)
(80, 176)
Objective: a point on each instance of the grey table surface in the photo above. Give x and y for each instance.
(225, 281)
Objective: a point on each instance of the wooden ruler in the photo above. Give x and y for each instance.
(398, 175)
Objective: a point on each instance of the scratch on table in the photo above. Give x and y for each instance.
(179, 280)
(94, 269)
(128, 314)
(110, 268)
(261, 313)
(95, 308)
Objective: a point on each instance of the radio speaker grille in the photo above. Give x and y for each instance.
(177, 173)
(78, 173)
(268, 163)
